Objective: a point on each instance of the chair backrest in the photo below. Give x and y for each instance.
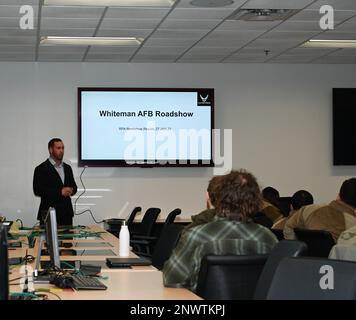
(263, 220)
(165, 244)
(132, 216)
(283, 249)
(171, 216)
(313, 279)
(148, 220)
(278, 233)
(229, 277)
(284, 205)
(319, 242)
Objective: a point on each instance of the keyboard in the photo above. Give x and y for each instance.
(81, 282)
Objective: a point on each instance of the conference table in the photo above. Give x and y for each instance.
(135, 283)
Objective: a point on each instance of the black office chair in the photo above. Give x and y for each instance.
(278, 233)
(146, 225)
(313, 279)
(132, 217)
(319, 242)
(164, 246)
(283, 249)
(284, 205)
(262, 219)
(229, 277)
(147, 244)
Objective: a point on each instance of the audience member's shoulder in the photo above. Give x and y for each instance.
(348, 237)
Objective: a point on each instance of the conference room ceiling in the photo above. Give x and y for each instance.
(181, 33)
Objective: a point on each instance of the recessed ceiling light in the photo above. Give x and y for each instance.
(319, 43)
(112, 3)
(211, 3)
(91, 41)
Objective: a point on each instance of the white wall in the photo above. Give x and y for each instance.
(280, 116)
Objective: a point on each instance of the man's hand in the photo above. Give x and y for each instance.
(67, 191)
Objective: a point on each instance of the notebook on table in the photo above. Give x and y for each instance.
(127, 262)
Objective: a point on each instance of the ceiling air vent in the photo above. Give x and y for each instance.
(262, 14)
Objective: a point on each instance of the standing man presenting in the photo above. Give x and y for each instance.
(53, 181)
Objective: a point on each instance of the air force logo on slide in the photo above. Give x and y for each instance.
(204, 98)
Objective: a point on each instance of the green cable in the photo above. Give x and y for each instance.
(28, 294)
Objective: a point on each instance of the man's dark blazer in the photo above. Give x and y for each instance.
(48, 185)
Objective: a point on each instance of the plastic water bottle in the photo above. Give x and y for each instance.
(124, 237)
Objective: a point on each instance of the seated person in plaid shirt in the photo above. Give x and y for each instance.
(231, 232)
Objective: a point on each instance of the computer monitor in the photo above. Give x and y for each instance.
(52, 238)
(4, 266)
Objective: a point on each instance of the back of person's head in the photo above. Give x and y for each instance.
(240, 196)
(301, 198)
(214, 188)
(271, 195)
(348, 192)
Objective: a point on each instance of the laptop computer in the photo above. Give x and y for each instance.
(127, 262)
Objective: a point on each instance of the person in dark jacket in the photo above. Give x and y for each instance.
(54, 182)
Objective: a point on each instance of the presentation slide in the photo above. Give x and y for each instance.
(146, 125)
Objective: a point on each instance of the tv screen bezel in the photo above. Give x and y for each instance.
(147, 164)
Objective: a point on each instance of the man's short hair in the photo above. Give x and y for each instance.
(301, 198)
(214, 189)
(348, 192)
(240, 196)
(271, 195)
(53, 141)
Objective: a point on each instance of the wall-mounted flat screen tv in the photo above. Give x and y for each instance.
(344, 116)
(145, 126)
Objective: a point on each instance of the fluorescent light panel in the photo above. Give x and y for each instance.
(112, 3)
(330, 43)
(92, 41)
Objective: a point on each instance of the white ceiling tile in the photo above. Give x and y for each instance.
(343, 52)
(141, 33)
(129, 24)
(18, 40)
(292, 58)
(199, 60)
(240, 25)
(315, 15)
(336, 4)
(13, 23)
(65, 56)
(13, 11)
(187, 4)
(273, 44)
(72, 12)
(19, 2)
(68, 32)
(57, 23)
(17, 32)
(174, 24)
(110, 56)
(18, 49)
(178, 34)
(233, 35)
(197, 14)
(336, 59)
(136, 13)
(277, 4)
(162, 50)
(291, 36)
(113, 49)
(79, 50)
(222, 43)
(17, 56)
(211, 50)
(337, 35)
(310, 51)
(299, 26)
(346, 27)
(170, 42)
